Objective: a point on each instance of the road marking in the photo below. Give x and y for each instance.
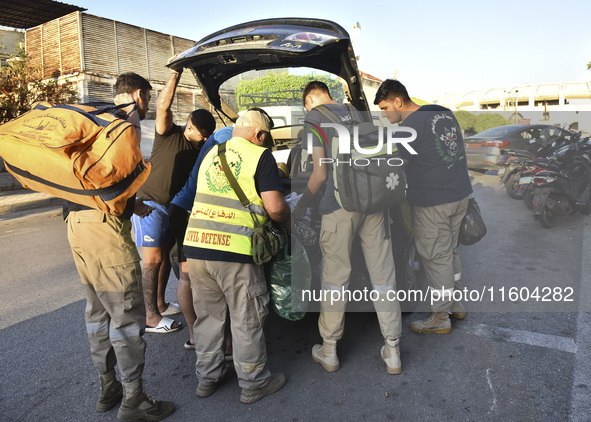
(581, 390)
(494, 396)
(549, 341)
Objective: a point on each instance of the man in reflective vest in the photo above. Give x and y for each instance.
(219, 256)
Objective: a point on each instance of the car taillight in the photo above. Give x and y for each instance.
(495, 143)
(311, 37)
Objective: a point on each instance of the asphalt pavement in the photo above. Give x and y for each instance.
(494, 366)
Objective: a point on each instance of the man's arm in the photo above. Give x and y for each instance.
(317, 178)
(276, 206)
(141, 208)
(164, 117)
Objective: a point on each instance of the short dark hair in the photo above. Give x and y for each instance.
(128, 82)
(204, 121)
(390, 89)
(314, 86)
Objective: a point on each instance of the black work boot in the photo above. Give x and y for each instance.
(111, 392)
(138, 405)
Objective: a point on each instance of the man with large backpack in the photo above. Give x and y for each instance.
(338, 230)
(109, 266)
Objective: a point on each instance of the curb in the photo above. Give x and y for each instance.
(29, 204)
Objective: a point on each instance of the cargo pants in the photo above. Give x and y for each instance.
(240, 288)
(109, 267)
(337, 232)
(436, 231)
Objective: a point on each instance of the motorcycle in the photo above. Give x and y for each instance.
(518, 165)
(525, 182)
(565, 186)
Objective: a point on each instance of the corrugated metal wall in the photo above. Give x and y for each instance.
(112, 48)
(54, 46)
(99, 45)
(102, 49)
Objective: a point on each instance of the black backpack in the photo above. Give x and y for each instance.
(365, 183)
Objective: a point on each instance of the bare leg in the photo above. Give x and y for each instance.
(163, 275)
(152, 262)
(185, 298)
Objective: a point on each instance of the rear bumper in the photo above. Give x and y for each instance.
(486, 161)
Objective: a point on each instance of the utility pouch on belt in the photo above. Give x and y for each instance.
(267, 239)
(80, 153)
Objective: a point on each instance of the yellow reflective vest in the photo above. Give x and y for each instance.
(218, 220)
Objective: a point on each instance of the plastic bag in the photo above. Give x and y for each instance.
(288, 276)
(473, 228)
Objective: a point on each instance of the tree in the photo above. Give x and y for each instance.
(472, 123)
(22, 85)
(419, 102)
(282, 89)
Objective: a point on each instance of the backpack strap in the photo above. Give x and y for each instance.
(328, 113)
(236, 186)
(332, 116)
(355, 114)
(233, 182)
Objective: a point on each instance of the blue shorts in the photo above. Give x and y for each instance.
(153, 231)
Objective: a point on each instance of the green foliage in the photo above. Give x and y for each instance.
(466, 120)
(472, 123)
(283, 88)
(21, 86)
(419, 102)
(589, 65)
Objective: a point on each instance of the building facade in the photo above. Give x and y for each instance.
(550, 102)
(91, 52)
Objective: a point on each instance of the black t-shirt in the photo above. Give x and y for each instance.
(328, 203)
(266, 178)
(438, 174)
(173, 158)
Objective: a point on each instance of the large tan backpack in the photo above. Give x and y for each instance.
(79, 153)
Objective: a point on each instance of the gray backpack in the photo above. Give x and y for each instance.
(365, 183)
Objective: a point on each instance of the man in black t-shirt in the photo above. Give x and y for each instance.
(218, 245)
(438, 190)
(174, 154)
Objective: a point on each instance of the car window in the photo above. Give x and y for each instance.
(278, 92)
(494, 132)
(529, 134)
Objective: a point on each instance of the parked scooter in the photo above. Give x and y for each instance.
(526, 185)
(517, 165)
(565, 187)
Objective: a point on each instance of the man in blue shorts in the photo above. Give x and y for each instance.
(174, 153)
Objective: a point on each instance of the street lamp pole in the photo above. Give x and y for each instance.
(516, 102)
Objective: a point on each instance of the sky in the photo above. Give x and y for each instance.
(433, 47)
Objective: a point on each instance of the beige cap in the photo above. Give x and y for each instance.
(255, 119)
